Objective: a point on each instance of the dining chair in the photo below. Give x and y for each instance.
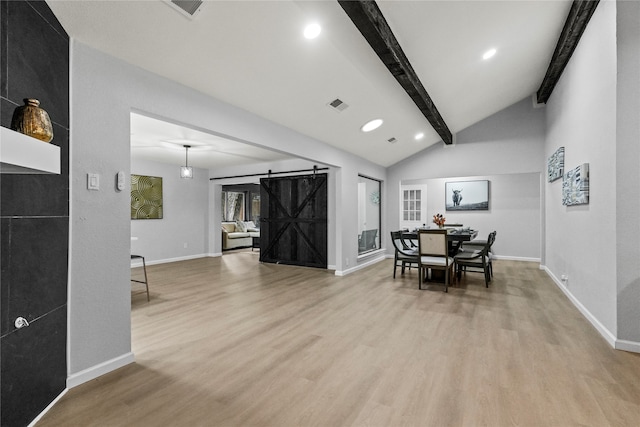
(433, 253)
(479, 244)
(407, 241)
(476, 261)
(404, 256)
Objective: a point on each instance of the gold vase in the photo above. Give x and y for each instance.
(32, 120)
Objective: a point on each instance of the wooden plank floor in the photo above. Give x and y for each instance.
(231, 342)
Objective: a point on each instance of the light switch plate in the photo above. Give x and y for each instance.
(120, 181)
(93, 181)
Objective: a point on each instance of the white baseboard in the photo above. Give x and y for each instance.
(167, 260)
(499, 257)
(51, 405)
(94, 372)
(628, 346)
(606, 334)
(516, 258)
(377, 259)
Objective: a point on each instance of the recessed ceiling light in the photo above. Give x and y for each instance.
(488, 54)
(372, 125)
(312, 31)
(419, 136)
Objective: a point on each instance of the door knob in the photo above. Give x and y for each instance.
(21, 322)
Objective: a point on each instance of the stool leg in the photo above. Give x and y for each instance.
(146, 281)
(144, 268)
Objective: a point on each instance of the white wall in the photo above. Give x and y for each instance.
(185, 215)
(628, 171)
(507, 149)
(514, 212)
(581, 116)
(104, 92)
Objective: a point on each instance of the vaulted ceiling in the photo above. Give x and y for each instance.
(253, 54)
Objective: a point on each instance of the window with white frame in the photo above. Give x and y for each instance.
(412, 205)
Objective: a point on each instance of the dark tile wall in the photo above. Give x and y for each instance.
(34, 218)
(28, 391)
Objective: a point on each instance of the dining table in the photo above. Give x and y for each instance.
(455, 238)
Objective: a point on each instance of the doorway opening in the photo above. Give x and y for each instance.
(240, 213)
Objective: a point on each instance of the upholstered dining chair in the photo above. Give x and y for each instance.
(476, 261)
(433, 252)
(404, 256)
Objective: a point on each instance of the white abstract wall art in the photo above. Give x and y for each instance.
(575, 186)
(555, 165)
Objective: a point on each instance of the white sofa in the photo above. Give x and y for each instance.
(232, 237)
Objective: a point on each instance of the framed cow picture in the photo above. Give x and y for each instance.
(466, 196)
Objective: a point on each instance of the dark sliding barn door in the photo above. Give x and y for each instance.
(293, 220)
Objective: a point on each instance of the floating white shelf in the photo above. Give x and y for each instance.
(23, 154)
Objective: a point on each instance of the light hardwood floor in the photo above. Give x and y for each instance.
(231, 342)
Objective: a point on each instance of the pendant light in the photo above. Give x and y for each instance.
(186, 171)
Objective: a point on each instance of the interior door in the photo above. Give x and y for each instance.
(413, 206)
(293, 220)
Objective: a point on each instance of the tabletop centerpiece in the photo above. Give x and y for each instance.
(439, 220)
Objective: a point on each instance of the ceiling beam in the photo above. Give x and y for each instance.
(369, 20)
(579, 16)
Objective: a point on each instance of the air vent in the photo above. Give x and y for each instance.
(187, 7)
(338, 105)
(392, 140)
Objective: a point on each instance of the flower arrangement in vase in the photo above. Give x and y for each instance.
(439, 220)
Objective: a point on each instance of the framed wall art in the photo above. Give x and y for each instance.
(467, 196)
(555, 165)
(575, 186)
(146, 197)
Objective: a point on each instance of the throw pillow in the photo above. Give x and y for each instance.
(241, 227)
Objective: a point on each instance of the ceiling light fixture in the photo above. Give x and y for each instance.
(186, 171)
(312, 31)
(489, 54)
(371, 125)
(419, 136)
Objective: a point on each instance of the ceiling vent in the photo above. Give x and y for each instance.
(189, 8)
(392, 140)
(338, 105)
